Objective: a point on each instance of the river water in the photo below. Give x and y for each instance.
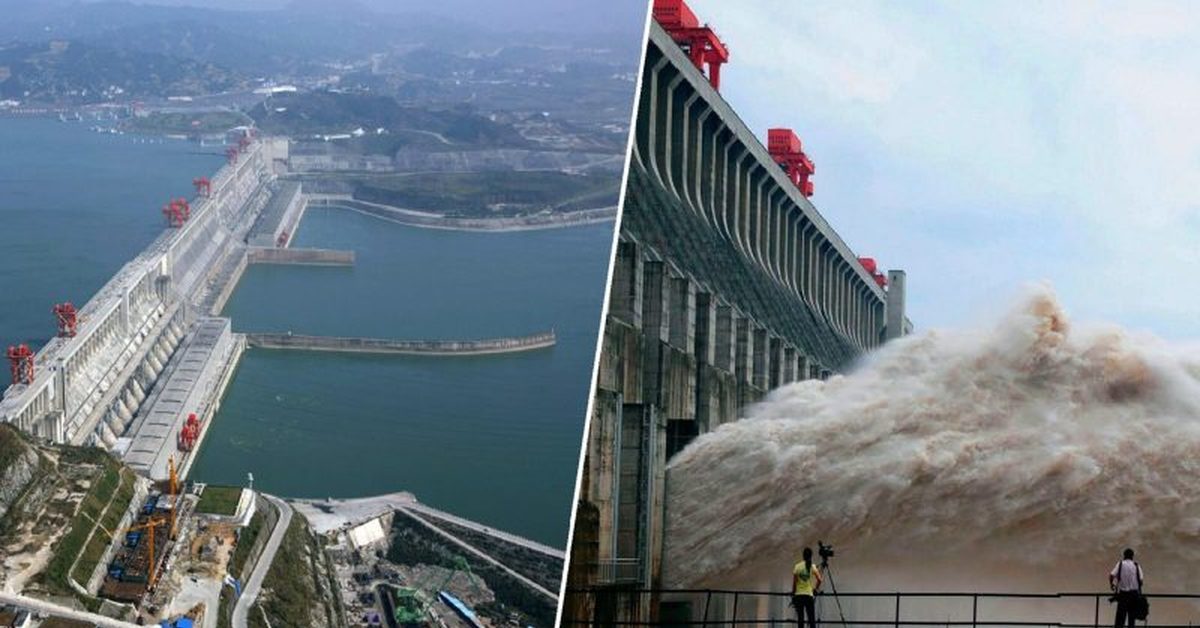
(74, 207)
(492, 438)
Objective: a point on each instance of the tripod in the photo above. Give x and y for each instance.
(828, 571)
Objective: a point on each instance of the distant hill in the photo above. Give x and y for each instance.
(325, 112)
(68, 71)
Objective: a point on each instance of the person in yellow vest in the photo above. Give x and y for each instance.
(806, 581)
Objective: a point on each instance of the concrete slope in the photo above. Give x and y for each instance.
(254, 584)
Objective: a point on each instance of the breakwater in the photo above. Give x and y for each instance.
(417, 347)
(310, 257)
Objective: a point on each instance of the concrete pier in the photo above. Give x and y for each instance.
(410, 347)
(303, 257)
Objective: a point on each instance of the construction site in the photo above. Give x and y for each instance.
(399, 562)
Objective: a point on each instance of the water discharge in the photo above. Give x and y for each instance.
(1022, 457)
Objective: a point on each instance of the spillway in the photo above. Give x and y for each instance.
(1020, 457)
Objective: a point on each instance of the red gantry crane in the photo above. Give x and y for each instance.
(699, 41)
(68, 319)
(203, 186)
(189, 433)
(869, 264)
(243, 143)
(177, 212)
(20, 359)
(231, 154)
(786, 150)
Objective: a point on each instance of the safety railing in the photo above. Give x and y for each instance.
(617, 606)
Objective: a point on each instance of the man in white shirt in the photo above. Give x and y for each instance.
(1125, 580)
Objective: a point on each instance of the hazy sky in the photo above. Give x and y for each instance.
(523, 15)
(983, 146)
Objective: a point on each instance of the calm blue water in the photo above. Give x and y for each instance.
(495, 438)
(74, 207)
(492, 438)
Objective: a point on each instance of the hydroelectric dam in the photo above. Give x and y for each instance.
(727, 283)
(129, 367)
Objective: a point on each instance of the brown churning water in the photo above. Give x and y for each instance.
(1023, 457)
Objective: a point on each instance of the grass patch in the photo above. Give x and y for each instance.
(77, 540)
(241, 553)
(291, 580)
(219, 500)
(102, 534)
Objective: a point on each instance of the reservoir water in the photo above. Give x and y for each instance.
(75, 206)
(493, 438)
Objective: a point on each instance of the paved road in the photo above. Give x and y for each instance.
(62, 611)
(254, 584)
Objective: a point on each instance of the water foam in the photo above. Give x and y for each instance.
(1021, 457)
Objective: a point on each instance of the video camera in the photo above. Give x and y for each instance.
(824, 551)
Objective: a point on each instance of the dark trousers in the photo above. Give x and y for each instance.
(805, 604)
(1125, 602)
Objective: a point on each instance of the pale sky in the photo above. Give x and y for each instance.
(985, 146)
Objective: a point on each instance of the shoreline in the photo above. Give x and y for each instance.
(430, 220)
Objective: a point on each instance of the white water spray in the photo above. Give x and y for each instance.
(1020, 458)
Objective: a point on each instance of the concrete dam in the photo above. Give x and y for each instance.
(727, 283)
(88, 387)
(150, 347)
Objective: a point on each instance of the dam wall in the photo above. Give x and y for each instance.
(87, 388)
(414, 347)
(726, 283)
(280, 216)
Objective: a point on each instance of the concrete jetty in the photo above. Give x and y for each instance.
(304, 257)
(408, 347)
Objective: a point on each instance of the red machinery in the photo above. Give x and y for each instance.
(231, 154)
(282, 240)
(189, 433)
(21, 359)
(786, 150)
(699, 41)
(68, 319)
(177, 212)
(243, 143)
(203, 186)
(869, 264)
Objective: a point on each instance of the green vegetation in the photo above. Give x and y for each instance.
(219, 500)
(102, 535)
(294, 597)
(414, 544)
(489, 193)
(225, 608)
(12, 446)
(324, 112)
(96, 509)
(203, 123)
(241, 553)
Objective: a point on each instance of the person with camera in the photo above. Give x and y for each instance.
(806, 581)
(1125, 580)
